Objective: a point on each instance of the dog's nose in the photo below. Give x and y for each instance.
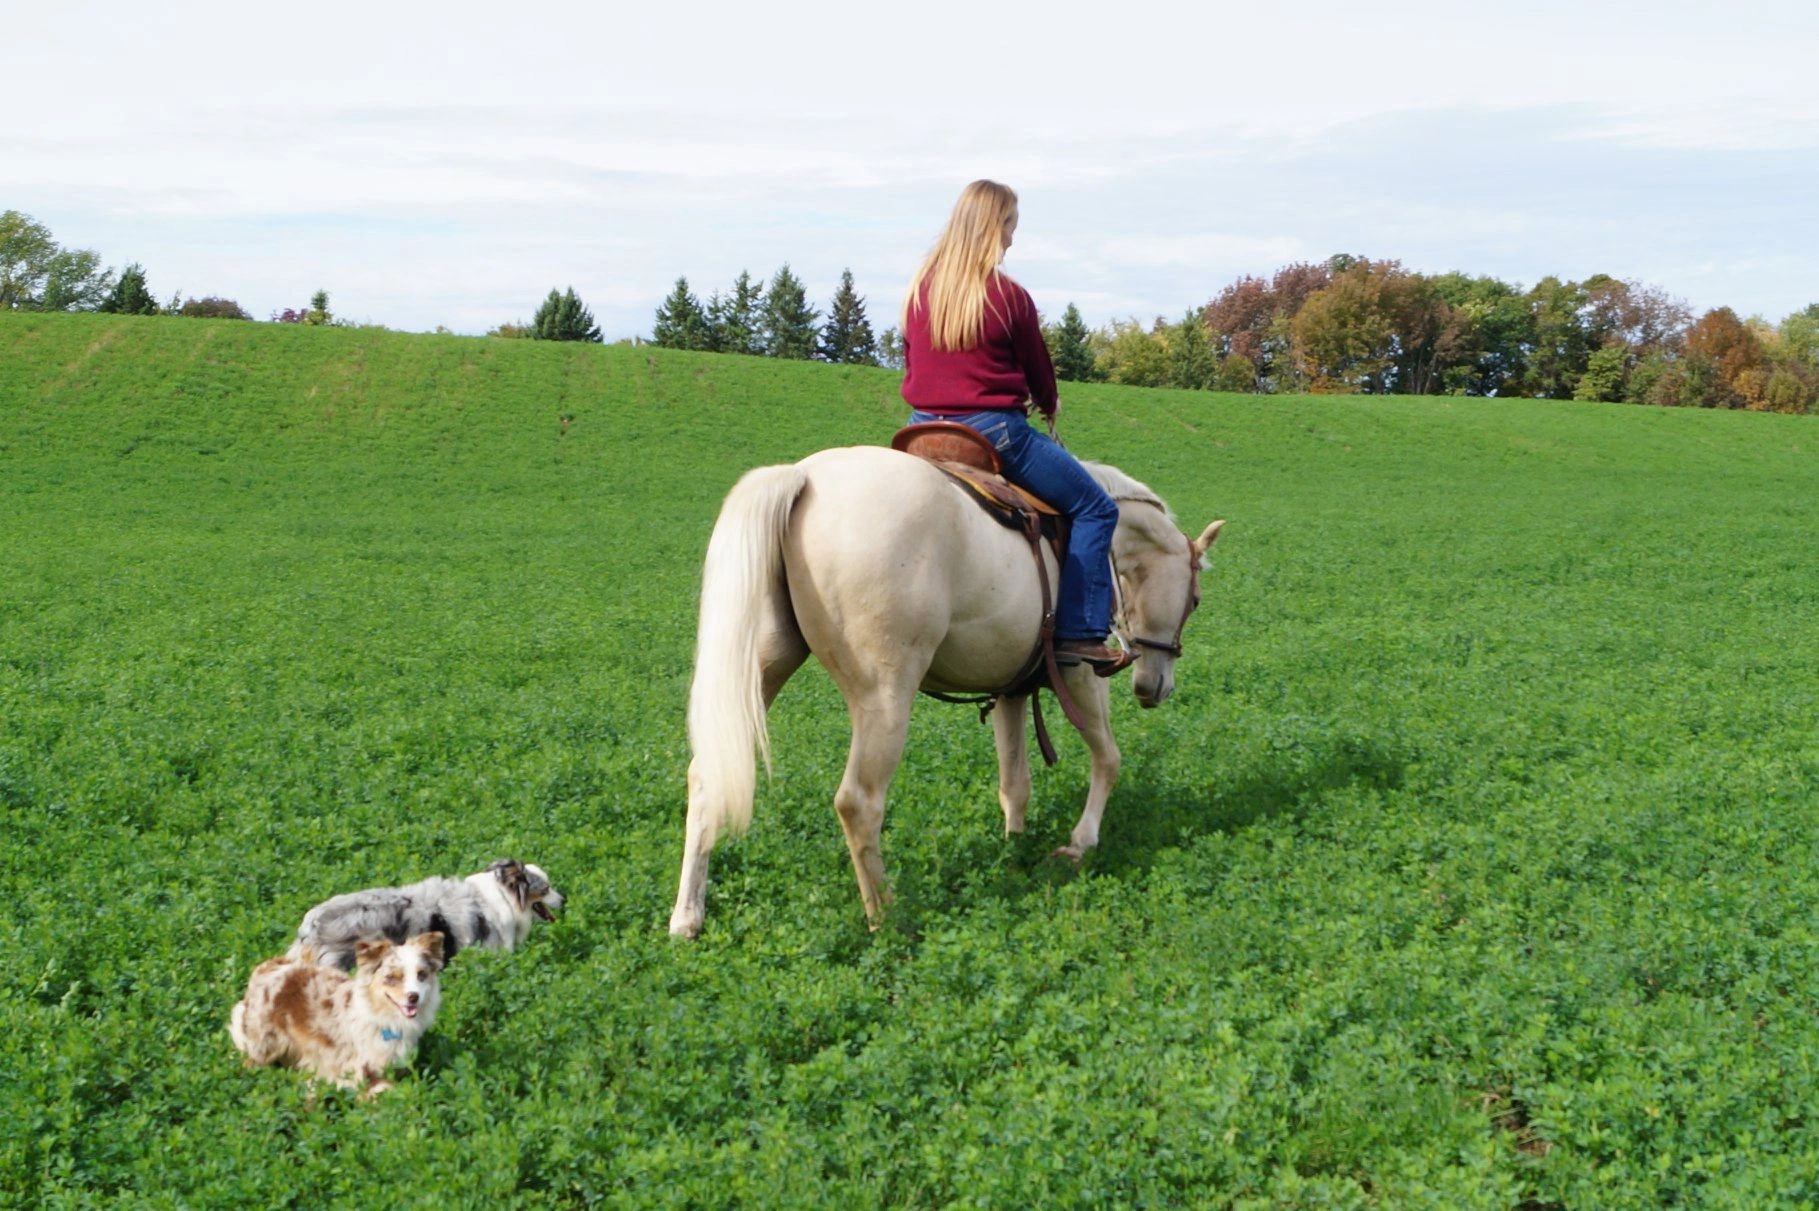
(412, 998)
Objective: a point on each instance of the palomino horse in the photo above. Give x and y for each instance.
(897, 581)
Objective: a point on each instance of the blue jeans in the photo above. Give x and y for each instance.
(1034, 460)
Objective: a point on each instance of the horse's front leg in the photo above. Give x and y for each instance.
(1092, 696)
(1008, 719)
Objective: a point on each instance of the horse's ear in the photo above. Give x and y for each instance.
(1207, 537)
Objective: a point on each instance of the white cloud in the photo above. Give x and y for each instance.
(434, 171)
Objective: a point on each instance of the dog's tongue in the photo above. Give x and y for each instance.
(410, 1011)
(542, 910)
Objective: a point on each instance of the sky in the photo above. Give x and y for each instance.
(448, 165)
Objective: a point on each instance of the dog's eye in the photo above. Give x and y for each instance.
(422, 975)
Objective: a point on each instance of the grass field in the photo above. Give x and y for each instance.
(1472, 865)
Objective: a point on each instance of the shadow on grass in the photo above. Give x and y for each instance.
(1146, 819)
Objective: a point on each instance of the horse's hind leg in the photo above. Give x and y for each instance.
(1092, 696)
(880, 727)
(781, 651)
(1008, 719)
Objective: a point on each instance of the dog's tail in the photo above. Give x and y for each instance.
(741, 582)
(236, 1029)
(310, 950)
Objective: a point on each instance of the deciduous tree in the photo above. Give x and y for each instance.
(1128, 353)
(1345, 334)
(1560, 341)
(38, 275)
(1719, 349)
(1495, 334)
(1604, 374)
(213, 307)
(890, 349)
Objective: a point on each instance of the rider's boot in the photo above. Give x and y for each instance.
(1104, 660)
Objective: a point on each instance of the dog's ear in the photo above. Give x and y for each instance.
(368, 955)
(431, 945)
(511, 876)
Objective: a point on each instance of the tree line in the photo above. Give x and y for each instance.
(39, 274)
(774, 320)
(1354, 325)
(1348, 324)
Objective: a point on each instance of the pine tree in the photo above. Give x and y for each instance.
(562, 317)
(318, 314)
(789, 322)
(733, 320)
(847, 335)
(1073, 356)
(681, 324)
(129, 295)
(1193, 363)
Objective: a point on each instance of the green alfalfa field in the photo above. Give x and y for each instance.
(1472, 865)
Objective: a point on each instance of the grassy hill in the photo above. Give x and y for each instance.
(1471, 865)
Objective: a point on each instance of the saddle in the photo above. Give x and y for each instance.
(967, 458)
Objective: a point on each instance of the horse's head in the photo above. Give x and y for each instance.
(1158, 571)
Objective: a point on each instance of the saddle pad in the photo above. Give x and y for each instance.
(1002, 495)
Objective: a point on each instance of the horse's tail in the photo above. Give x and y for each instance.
(744, 569)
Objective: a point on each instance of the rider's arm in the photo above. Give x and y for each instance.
(1032, 354)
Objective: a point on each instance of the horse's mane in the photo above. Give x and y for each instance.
(1120, 486)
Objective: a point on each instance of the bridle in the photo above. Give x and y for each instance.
(1173, 646)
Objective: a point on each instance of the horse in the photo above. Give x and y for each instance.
(879, 565)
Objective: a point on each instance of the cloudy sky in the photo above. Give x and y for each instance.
(448, 164)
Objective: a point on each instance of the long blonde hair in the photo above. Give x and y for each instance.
(961, 264)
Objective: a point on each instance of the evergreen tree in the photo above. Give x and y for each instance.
(789, 322)
(318, 314)
(1068, 347)
(1193, 363)
(847, 335)
(733, 320)
(129, 295)
(562, 317)
(681, 324)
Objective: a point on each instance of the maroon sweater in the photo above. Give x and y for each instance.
(1010, 365)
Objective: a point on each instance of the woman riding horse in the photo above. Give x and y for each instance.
(973, 353)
